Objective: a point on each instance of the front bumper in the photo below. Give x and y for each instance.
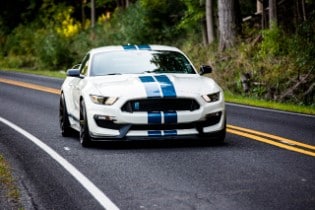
(110, 123)
(162, 131)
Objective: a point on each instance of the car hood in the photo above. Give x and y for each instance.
(154, 85)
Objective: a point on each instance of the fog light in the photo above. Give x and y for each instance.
(105, 117)
(216, 114)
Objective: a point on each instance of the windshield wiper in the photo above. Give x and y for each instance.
(148, 72)
(112, 74)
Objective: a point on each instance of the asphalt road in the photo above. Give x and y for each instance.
(241, 174)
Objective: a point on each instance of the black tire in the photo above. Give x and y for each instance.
(215, 139)
(221, 136)
(64, 123)
(85, 138)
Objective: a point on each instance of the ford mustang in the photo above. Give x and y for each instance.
(138, 92)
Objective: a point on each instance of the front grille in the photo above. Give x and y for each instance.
(160, 104)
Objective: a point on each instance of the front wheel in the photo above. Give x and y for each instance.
(215, 139)
(64, 123)
(85, 138)
(220, 136)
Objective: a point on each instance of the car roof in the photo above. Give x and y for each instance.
(133, 47)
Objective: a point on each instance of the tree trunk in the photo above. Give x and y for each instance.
(263, 14)
(209, 21)
(123, 3)
(272, 13)
(259, 7)
(227, 24)
(83, 12)
(204, 33)
(92, 13)
(303, 10)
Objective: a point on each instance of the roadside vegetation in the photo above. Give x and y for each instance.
(9, 193)
(267, 61)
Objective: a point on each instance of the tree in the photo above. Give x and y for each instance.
(16, 12)
(92, 13)
(123, 3)
(209, 21)
(261, 6)
(273, 20)
(227, 23)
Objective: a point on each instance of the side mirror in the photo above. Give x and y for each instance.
(73, 73)
(205, 69)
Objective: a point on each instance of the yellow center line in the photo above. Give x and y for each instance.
(278, 138)
(245, 132)
(261, 139)
(30, 86)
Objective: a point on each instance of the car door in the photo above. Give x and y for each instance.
(77, 86)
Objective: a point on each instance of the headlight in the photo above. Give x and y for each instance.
(103, 100)
(211, 97)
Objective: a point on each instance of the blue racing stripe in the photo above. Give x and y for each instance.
(154, 118)
(129, 47)
(146, 79)
(144, 47)
(170, 133)
(167, 86)
(155, 133)
(151, 87)
(170, 117)
(166, 133)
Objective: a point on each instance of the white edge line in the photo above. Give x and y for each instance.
(83, 180)
(270, 110)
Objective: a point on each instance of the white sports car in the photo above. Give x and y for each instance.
(137, 92)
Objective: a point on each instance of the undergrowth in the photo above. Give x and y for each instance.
(7, 182)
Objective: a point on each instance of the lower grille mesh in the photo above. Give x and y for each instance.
(160, 104)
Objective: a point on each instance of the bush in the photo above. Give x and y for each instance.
(18, 49)
(53, 52)
(273, 43)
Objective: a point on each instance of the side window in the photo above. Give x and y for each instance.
(85, 64)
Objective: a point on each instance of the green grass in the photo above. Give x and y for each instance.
(232, 98)
(56, 74)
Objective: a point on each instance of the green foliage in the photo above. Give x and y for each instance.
(53, 41)
(193, 15)
(161, 18)
(161, 13)
(52, 51)
(20, 41)
(131, 25)
(43, 44)
(273, 43)
(281, 66)
(303, 42)
(19, 48)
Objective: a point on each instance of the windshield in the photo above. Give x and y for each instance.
(137, 62)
